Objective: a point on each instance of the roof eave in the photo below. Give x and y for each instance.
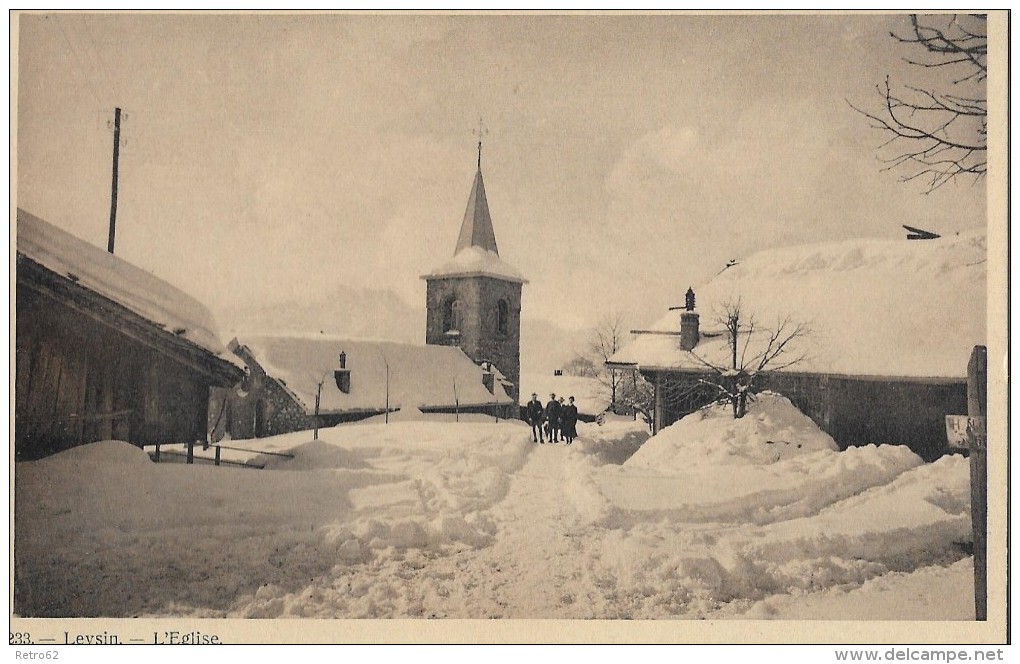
(475, 273)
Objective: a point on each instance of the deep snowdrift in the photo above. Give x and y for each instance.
(472, 520)
(772, 430)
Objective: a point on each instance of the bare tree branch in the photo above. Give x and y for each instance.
(736, 383)
(940, 136)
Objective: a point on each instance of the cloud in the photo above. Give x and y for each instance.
(668, 150)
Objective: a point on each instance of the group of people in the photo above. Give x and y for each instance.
(556, 420)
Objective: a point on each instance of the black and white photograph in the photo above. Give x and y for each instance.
(578, 326)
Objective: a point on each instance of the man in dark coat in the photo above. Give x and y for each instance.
(568, 420)
(552, 417)
(534, 412)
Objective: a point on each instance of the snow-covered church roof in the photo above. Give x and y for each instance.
(476, 254)
(419, 376)
(114, 278)
(874, 307)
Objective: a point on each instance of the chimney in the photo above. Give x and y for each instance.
(488, 377)
(342, 376)
(689, 334)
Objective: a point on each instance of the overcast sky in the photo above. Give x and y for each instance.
(270, 157)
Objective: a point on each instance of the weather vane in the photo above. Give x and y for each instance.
(481, 131)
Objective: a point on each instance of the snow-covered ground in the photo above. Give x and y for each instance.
(713, 518)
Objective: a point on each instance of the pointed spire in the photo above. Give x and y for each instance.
(476, 231)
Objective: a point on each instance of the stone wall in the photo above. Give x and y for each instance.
(256, 408)
(479, 337)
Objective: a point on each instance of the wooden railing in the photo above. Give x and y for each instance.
(189, 455)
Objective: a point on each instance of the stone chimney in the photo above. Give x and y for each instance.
(342, 375)
(488, 378)
(689, 334)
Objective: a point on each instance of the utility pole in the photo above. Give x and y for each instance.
(318, 396)
(113, 190)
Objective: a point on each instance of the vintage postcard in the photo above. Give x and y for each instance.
(508, 328)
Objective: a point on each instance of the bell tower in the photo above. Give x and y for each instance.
(473, 300)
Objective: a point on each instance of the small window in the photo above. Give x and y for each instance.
(451, 315)
(503, 317)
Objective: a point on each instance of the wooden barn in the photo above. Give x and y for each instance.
(888, 327)
(105, 350)
(292, 381)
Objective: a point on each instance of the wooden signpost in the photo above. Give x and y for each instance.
(970, 432)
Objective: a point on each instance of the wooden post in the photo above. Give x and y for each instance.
(191, 451)
(977, 404)
(318, 396)
(217, 455)
(657, 416)
(386, 414)
(113, 186)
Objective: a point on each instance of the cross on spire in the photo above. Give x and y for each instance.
(481, 131)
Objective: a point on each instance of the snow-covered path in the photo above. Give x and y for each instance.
(539, 566)
(473, 520)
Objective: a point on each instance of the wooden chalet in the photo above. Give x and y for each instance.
(889, 326)
(105, 350)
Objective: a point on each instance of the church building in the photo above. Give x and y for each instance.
(474, 300)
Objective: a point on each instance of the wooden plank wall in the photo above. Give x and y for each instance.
(79, 381)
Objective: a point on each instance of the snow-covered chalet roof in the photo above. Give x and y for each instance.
(876, 308)
(419, 376)
(114, 278)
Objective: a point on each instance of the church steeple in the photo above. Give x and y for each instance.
(476, 230)
(473, 300)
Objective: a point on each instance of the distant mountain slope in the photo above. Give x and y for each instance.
(350, 312)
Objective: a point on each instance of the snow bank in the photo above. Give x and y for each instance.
(772, 430)
(658, 561)
(929, 593)
(120, 281)
(752, 493)
(875, 307)
(613, 442)
(773, 464)
(710, 512)
(99, 453)
(101, 531)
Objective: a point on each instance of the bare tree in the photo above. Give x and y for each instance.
(937, 136)
(580, 365)
(735, 380)
(626, 387)
(606, 340)
(637, 394)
